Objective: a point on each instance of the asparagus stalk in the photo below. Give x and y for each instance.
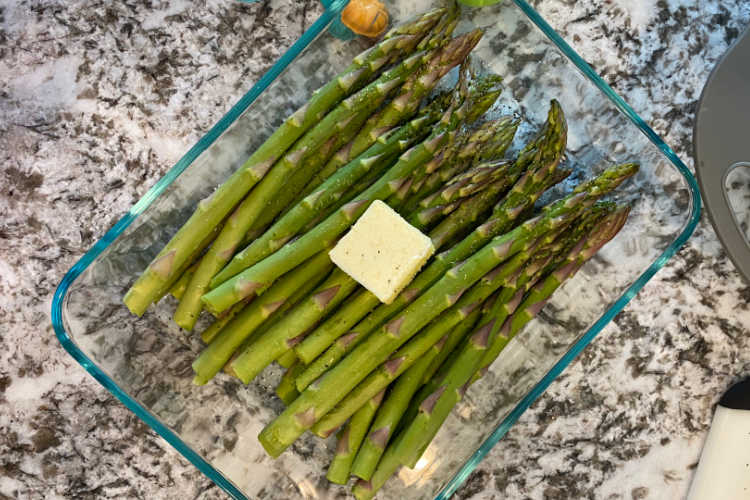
(289, 331)
(590, 191)
(604, 230)
(286, 334)
(466, 184)
(348, 114)
(339, 323)
(173, 282)
(219, 323)
(490, 178)
(490, 140)
(221, 348)
(294, 299)
(408, 354)
(211, 211)
(335, 351)
(387, 467)
(442, 30)
(287, 359)
(435, 408)
(258, 277)
(389, 414)
(357, 188)
(179, 286)
(416, 88)
(319, 398)
(213, 330)
(550, 256)
(518, 282)
(349, 440)
(375, 159)
(548, 146)
(403, 106)
(364, 301)
(484, 346)
(286, 389)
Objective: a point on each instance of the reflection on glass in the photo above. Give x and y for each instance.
(738, 193)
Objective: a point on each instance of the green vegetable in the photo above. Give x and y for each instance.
(211, 211)
(223, 346)
(349, 440)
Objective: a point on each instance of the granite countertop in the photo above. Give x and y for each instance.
(98, 99)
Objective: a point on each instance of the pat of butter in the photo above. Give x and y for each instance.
(382, 251)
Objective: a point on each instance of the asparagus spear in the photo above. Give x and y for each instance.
(333, 328)
(351, 111)
(466, 184)
(590, 190)
(306, 180)
(258, 277)
(408, 354)
(289, 331)
(213, 330)
(414, 90)
(390, 412)
(173, 282)
(458, 376)
(179, 286)
(319, 398)
(548, 146)
(494, 135)
(435, 408)
(349, 440)
(550, 256)
(286, 389)
(375, 159)
(221, 348)
(287, 359)
(518, 281)
(211, 211)
(219, 323)
(443, 29)
(490, 178)
(388, 465)
(363, 302)
(286, 334)
(604, 230)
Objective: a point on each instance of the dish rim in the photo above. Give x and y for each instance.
(330, 13)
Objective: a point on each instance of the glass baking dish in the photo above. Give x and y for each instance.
(145, 362)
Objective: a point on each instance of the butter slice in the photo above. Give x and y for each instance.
(382, 251)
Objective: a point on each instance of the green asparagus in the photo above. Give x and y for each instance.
(211, 211)
(345, 116)
(349, 440)
(221, 348)
(416, 347)
(258, 277)
(319, 398)
(551, 141)
(398, 398)
(375, 159)
(286, 390)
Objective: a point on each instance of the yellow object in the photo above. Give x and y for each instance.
(382, 251)
(365, 17)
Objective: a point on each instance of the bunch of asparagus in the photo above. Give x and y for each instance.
(255, 253)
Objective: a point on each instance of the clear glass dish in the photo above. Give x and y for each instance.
(145, 362)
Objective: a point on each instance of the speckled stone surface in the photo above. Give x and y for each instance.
(98, 99)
